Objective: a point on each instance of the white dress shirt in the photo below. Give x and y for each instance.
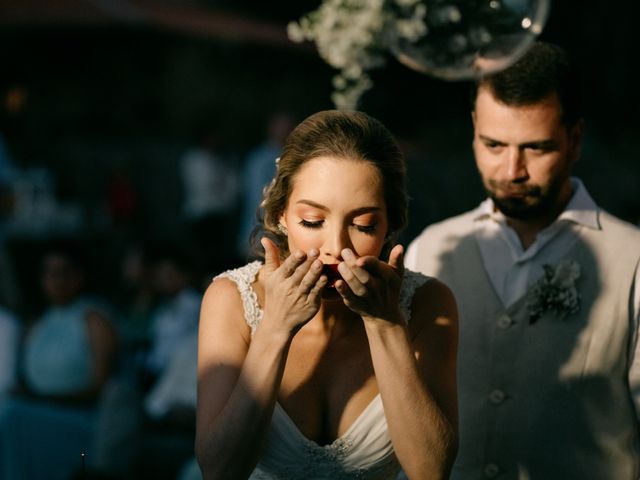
(512, 269)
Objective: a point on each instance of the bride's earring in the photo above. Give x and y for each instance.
(282, 229)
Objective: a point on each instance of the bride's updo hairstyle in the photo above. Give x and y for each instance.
(345, 135)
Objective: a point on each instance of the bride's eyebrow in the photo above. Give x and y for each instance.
(313, 204)
(363, 210)
(355, 213)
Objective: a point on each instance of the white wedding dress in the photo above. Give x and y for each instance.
(363, 452)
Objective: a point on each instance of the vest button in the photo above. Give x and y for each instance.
(504, 322)
(491, 470)
(496, 397)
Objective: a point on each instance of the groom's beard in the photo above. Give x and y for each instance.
(523, 202)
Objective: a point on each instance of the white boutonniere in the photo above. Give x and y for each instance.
(555, 292)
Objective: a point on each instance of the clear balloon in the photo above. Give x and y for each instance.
(465, 39)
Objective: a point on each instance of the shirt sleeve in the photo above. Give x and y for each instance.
(410, 259)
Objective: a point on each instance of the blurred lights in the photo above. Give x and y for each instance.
(16, 99)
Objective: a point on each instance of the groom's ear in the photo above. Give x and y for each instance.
(575, 140)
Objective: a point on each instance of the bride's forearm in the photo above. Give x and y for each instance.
(424, 439)
(229, 446)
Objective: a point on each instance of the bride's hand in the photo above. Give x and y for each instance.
(292, 289)
(371, 287)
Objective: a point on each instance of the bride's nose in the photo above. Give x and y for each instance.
(337, 240)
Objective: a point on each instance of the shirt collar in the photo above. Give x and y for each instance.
(581, 209)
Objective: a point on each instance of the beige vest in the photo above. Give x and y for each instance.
(548, 400)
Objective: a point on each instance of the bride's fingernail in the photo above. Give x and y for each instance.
(347, 254)
(299, 254)
(343, 269)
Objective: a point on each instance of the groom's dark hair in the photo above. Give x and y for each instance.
(543, 70)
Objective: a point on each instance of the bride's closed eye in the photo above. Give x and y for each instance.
(315, 224)
(310, 224)
(368, 229)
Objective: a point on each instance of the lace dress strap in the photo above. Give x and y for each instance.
(410, 283)
(244, 278)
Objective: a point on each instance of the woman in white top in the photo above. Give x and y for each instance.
(304, 373)
(9, 341)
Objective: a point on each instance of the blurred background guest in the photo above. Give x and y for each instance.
(9, 341)
(176, 316)
(145, 426)
(135, 299)
(259, 169)
(210, 197)
(8, 286)
(67, 357)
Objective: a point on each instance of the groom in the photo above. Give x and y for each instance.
(548, 288)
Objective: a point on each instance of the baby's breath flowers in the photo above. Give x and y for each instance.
(355, 36)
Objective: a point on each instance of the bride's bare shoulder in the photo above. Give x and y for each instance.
(433, 306)
(222, 306)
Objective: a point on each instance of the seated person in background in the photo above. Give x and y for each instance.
(135, 300)
(146, 426)
(66, 359)
(176, 315)
(9, 340)
(69, 352)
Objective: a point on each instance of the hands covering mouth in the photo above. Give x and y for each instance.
(332, 274)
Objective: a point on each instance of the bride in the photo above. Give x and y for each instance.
(328, 359)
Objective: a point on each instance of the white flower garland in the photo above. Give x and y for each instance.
(354, 36)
